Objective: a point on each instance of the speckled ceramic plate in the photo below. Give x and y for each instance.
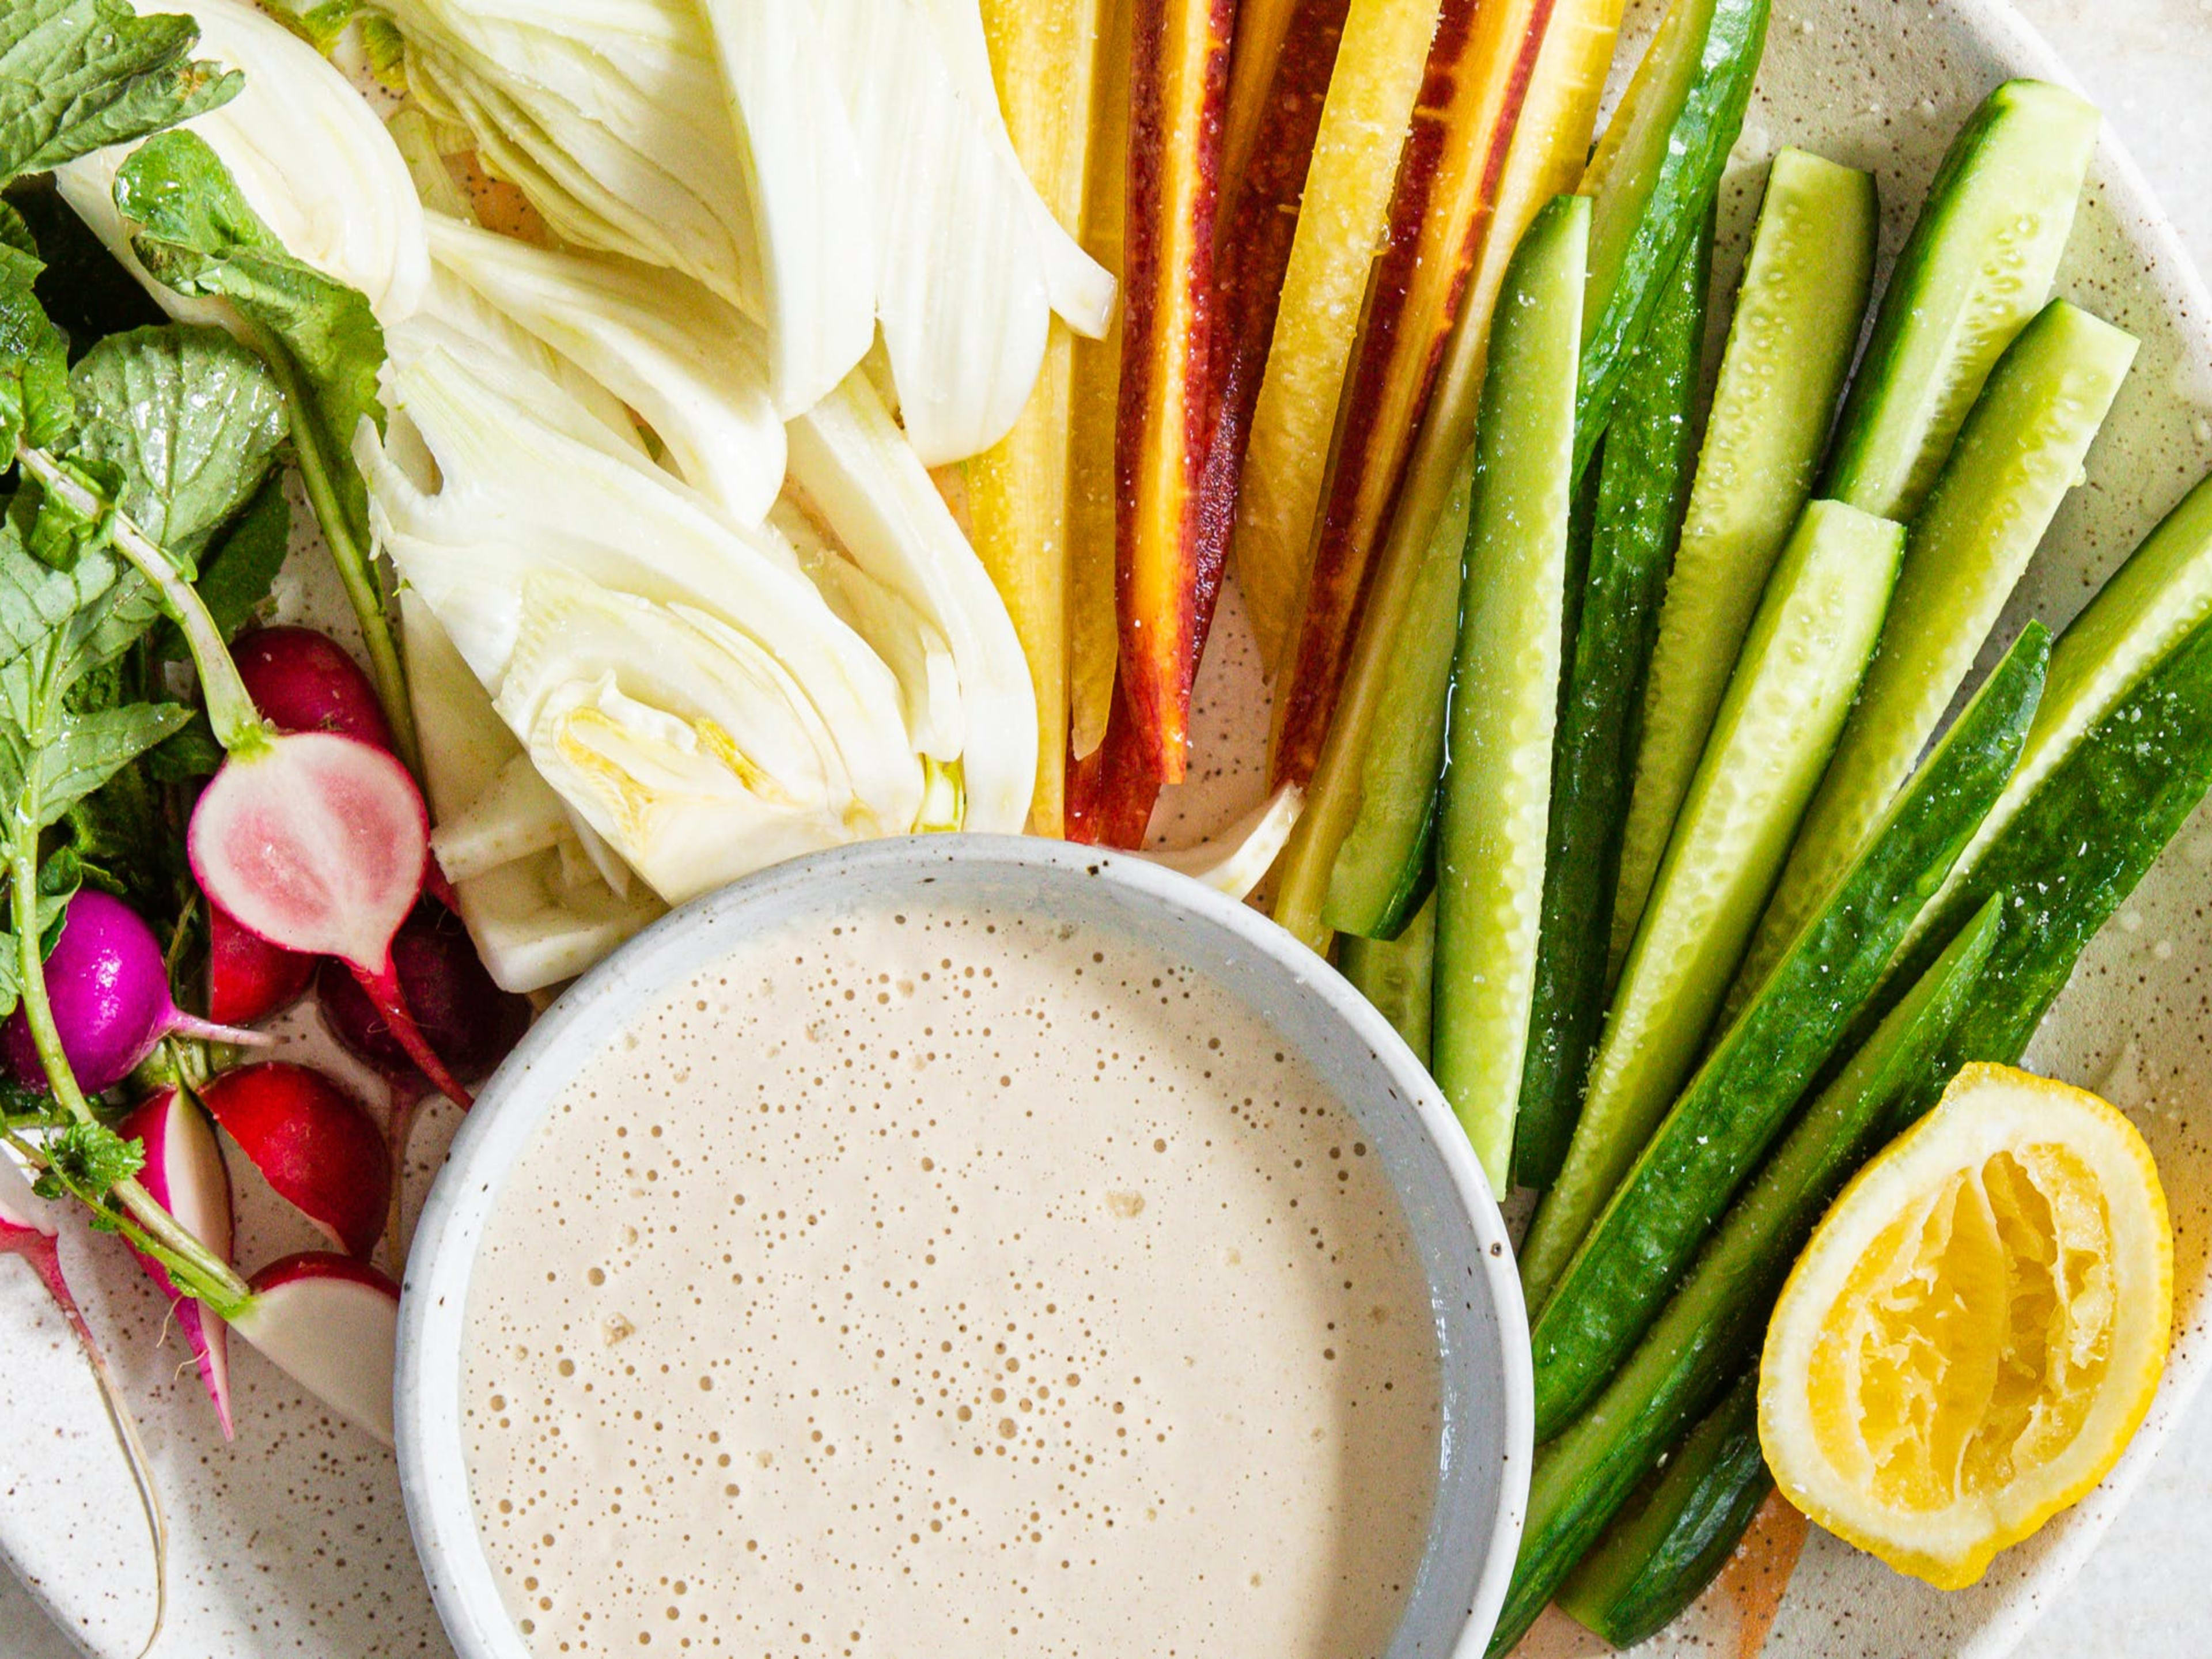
(291, 1541)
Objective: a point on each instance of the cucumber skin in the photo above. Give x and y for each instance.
(1504, 689)
(1798, 313)
(1715, 1133)
(1712, 1328)
(1785, 706)
(1892, 484)
(1385, 866)
(1699, 140)
(1654, 1562)
(2017, 456)
(2140, 614)
(2055, 876)
(1643, 481)
(1398, 975)
(2076, 849)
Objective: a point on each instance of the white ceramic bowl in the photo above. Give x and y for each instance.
(1474, 1292)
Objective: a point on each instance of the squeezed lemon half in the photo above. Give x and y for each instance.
(1976, 1328)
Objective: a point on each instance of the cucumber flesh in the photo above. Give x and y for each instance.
(1712, 1329)
(1715, 1135)
(1656, 1559)
(2069, 857)
(1398, 975)
(1801, 664)
(2018, 455)
(1653, 180)
(1496, 788)
(1643, 477)
(2140, 615)
(1382, 869)
(1979, 263)
(1797, 316)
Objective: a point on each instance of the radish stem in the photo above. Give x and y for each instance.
(238, 725)
(384, 990)
(199, 1270)
(350, 551)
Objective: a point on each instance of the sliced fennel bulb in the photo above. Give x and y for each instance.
(801, 171)
(1082, 291)
(688, 363)
(912, 648)
(961, 291)
(675, 676)
(611, 119)
(308, 154)
(533, 921)
(678, 738)
(860, 477)
(460, 309)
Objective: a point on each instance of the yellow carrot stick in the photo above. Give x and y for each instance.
(1095, 367)
(1341, 223)
(1044, 55)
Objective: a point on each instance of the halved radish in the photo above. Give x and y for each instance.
(248, 978)
(303, 681)
(185, 1174)
(319, 843)
(315, 1144)
(332, 1325)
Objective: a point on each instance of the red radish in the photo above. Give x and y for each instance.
(185, 1174)
(303, 681)
(314, 1142)
(26, 1233)
(332, 1325)
(110, 991)
(314, 841)
(319, 843)
(468, 1019)
(248, 978)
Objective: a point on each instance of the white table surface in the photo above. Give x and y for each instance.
(2148, 64)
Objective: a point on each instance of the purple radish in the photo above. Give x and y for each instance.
(27, 1235)
(303, 681)
(250, 979)
(314, 1142)
(110, 991)
(332, 1325)
(319, 843)
(468, 1020)
(185, 1174)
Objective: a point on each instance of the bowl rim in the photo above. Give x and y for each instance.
(441, 1257)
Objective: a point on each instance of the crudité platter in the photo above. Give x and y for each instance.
(291, 1539)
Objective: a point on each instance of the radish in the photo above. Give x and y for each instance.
(315, 1144)
(314, 841)
(27, 1234)
(332, 1325)
(320, 844)
(185, 1173)
(468, 1019)
(110, 991)
(248, 978)
(303, 681)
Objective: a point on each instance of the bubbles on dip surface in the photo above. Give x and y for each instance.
(950, 1283)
